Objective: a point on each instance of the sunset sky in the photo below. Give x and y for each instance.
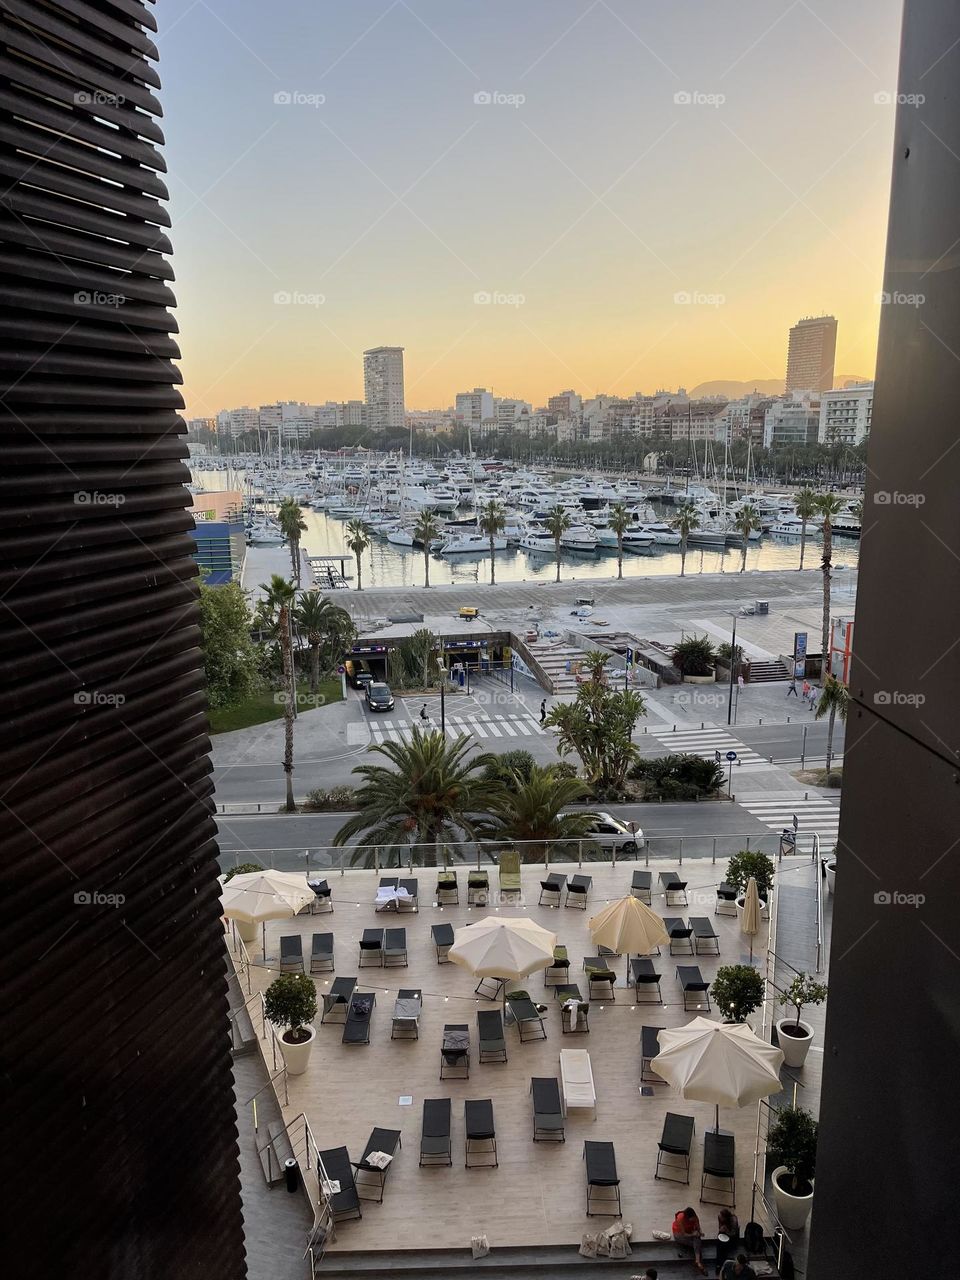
(596, 199)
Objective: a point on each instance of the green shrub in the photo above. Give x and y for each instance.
(504, 768)
(291, 1001)
(563, 769)
(747, 863)
(793, 1143)
(738, 991)
(316, 799)
(681, 776)
(242, 869)
(342, 797)
(694, 656)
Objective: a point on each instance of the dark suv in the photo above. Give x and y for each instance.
(379, 697)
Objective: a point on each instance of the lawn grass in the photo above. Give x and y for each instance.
(262, 706)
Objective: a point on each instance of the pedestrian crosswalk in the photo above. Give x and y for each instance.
(706, 743)
(814, 814)
(486, 727)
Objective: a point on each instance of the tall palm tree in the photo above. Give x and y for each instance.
(833, 701)
(280, 595)
(685, 521)
(531, 809)
(805, 505)
(619, 521)
(747, 520)
(433, 792)
(358, 539)
(828, 505)
(425, 530)
(320, 620)
(291, 522)
(557, 522)
(491, 520)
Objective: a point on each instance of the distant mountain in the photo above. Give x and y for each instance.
(766, 386)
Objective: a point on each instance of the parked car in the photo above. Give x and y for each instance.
(613, 836)
(379, 697)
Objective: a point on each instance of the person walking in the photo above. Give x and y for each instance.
(424, 716)
(543, 711)
(793, 689)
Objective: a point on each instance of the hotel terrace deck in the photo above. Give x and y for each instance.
(537, 1194)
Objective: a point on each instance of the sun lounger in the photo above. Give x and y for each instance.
(338, 997)
(705, 940)
(509, 869)
(321, 952)
(356, 1029)
(344, 1203)
(493, 1046)
(578, 887)
(673, 1149)
(574, 1010)
(478, 888)
(560, 968)
(371, 948)
(322, 896)
(291, 953)
(649, 1048)
(408, 895)
(726, 900)
(603, 1185)
(600, 978)
(373, 1177)
(455, 1050)
(490, 988)
(719, 1165)
(576, 1078)
(680, 933)
(645, 978)
(641, 885)
(674, 889)
(406, 1014)
(393, 894)
(395, 948)
(695, 990)
(548, 1121)
(447, 888)
(442, 939)
(481, 1135)
(435, 1146)
(527, 1016)
(552, 891)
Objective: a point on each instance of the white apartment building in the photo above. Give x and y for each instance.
(794, 420)
(236, 422)
(474, 406)
(383, 387)
(565, 405)
(845, 416)
(510, 412)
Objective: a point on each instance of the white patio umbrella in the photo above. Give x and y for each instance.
(628, 927)
(258, 896)
(503, 947)
(719, 1062)
(750, 916)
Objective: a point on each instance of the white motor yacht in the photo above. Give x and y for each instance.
(466, 543)
(579, 537)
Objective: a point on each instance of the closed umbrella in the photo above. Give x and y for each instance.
(750, 916)
(503, 947)
(719, 1062)
(258, 896)
(628, 927)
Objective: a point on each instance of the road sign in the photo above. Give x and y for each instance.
(341, 669)
(731, 755)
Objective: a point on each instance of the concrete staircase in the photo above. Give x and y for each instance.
(553, 660)
(243, 1035)
(762, 672)
(274, 1152)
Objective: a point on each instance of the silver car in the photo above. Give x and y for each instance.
(613, 836)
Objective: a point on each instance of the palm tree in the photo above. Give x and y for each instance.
(358, 539)
(828, 505)
(557, 522)
(619, 521)
(532, 810)
(805, 505)
(492, 520)
(291, 522)
(834, 701)
(425, 530)
(432, 793)
(280, 595)
(685, 521)
(320, 620)
(747, 520)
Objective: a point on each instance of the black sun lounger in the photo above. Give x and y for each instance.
(442, 940)
(559, 970)
(704, 935)
(455, 1050)
(577, 889)
(322, 896)
(478, 887)
(447, 888)
(411, 903)
(644, 977)
(574, 1010)
(649, 1048)
(674, 1145)
(291, 953)
(493, 1046)
(681, 935)
(344, 1203)
(371, 948)
(720, 1165)
(726, 900)
(321, 952)
(406, 1014)
(641, 886)
(694, 987)
(338, 997)
(395, 948)
(599, 975)
(370, 1177)
(552, 891)
(435, 1146)
(527, 1016)
(603, 1185)
(481, 1135)
(356, 1029)
(548, 1121)
(674, 889)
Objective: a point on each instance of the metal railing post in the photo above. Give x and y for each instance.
(681, 851)
(714, 858)
(580, 854)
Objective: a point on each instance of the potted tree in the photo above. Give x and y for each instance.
(743, 865)
(794, 1036)
(738, 991)
(694, 657)
(792, 1144)
(290, 1001)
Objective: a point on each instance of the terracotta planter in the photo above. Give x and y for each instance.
(794, 1048)
(793, 1211)
(296, 1056)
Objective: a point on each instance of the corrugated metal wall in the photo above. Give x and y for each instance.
(120, 1106)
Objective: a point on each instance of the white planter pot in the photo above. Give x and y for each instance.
(247, 930)
(764, 910)
(793, 1211)
(831, 869)
(296, 1056)
(794, 1048)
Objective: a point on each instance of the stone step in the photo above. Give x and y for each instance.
(274, 1152)
(764, 672)
(243, 1036)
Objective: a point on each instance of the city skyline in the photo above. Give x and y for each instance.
(663, 230)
